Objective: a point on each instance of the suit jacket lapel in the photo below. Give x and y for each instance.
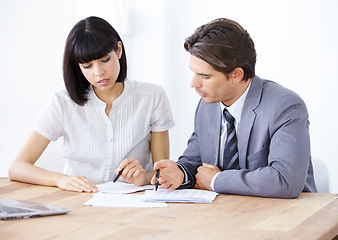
(213, 124)
(248, 117)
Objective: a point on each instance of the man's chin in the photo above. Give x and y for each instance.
(207, 100)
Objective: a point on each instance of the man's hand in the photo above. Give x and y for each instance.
(171, 177)
(205, 174)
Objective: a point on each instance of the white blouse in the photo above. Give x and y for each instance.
(95, 144)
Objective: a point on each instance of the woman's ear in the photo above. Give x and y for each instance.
(119, 49)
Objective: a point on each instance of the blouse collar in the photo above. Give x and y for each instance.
(97, 101)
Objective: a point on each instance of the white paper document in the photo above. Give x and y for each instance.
(181, 195)
(119, 187)
(121, 200)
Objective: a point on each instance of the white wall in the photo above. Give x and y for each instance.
(295, 41)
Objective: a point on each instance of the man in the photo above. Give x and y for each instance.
(251, 136)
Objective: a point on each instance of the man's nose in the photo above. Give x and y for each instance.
(195, 82)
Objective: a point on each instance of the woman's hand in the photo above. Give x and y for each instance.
(76, 183)
(133, 172)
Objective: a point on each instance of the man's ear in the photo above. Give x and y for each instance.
(237, 75)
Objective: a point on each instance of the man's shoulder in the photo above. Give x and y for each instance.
(276, 97)
(276, 89)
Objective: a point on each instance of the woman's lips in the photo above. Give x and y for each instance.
(103, 82)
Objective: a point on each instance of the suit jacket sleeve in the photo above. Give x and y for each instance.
(191, 158)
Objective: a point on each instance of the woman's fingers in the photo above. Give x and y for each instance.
(78, 184)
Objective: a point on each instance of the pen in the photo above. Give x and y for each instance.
(157, 176)
(118, 175)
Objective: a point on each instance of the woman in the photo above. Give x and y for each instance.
(105, 119)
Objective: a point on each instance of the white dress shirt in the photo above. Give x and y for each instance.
(236, 112)
(94, 143)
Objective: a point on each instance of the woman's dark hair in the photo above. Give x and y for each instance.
(90, 39)
(225, 45)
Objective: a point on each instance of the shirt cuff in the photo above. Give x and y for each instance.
(212, 183)
(186, 178)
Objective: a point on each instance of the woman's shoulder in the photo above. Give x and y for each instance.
(61, 97)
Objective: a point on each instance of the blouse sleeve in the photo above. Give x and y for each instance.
(50, 118)
(162, 118)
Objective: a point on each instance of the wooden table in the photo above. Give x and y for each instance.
(311, 216)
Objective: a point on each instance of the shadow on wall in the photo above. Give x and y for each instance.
(321, 175)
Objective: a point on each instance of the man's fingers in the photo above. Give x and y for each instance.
(170, 184)
(208, 165)
(161, 164)
(164, 183)
(157, 165)
(172, 187)
(153, 179)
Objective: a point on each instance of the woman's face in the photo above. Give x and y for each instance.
(102, 73)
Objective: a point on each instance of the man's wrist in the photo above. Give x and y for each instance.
(186, 180)
(185, 175)
(212, 183)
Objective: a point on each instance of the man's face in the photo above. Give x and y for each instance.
(213, 86)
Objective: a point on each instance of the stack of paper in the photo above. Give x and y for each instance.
(183, 195)
(116, 195)
(119, 187)
(121, 200)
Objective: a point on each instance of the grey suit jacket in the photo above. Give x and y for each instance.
(273, 144)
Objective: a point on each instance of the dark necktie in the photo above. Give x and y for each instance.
(230, 154)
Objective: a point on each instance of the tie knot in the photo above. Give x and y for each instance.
(228, 117)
